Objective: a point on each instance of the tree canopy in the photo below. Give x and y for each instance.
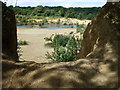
(58, 11)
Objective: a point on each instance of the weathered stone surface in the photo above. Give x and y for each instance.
(102, 32)
(9, 36)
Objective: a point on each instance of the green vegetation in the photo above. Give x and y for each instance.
(26, 15)
(65, 47)
(20, 42)
(60, 40)
(81, 28)
(19, 51)
(49, 38)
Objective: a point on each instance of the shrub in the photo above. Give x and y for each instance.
(66, 47)
(49, 38)
(20, 42)
(41, 23)
(80, 28)
(60, 40)
(19, 51)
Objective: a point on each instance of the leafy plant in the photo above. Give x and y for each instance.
(19, 51)
(66, 47)
(60, 40)
(20, 42)
(49, 38)
(80, 28)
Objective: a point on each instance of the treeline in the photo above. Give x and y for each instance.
(58, 11)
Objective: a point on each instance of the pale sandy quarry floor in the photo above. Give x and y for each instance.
(36, 49)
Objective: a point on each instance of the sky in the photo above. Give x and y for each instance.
(64, 3)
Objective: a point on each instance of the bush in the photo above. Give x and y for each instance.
(60, 40)
(80, 28)
(19, 51)
(49, 38)
(66, 47)
(20, 42)
(41, 23)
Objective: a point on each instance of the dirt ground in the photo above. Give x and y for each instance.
(36, 49)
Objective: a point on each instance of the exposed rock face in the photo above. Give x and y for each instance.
(98, 69)
(9, 36)
(102, 33)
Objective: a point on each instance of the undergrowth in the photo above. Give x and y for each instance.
(66, 47)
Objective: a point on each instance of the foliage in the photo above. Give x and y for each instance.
(49, 38)
(59, 11)
(66, 47)
(60, 40)
(19, 51)
(80, 28)
(20, 42)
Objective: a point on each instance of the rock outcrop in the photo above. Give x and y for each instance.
(102, 33)
(99, 68)
(9, 35)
